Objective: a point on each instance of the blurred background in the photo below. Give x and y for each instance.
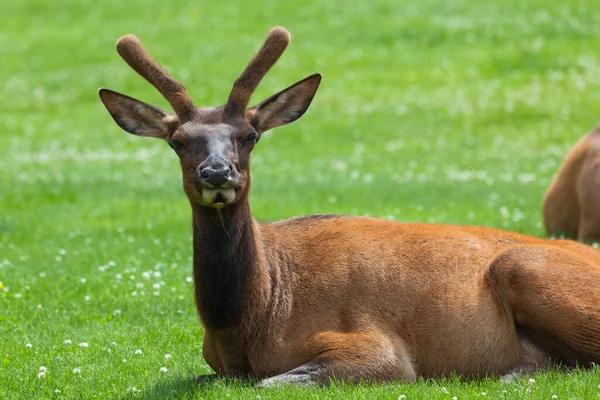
(442, 111)
(435, 111)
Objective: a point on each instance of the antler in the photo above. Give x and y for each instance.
(273, 47)
(131, 50)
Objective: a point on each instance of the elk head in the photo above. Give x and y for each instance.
(213, 143)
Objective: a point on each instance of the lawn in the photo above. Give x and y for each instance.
(439, 111)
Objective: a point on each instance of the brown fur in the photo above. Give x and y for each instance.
(316, 298)
(572, 202)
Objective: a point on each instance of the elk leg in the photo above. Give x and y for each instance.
(350, 357)
(553, 296)
(588, 193)
(589, 230)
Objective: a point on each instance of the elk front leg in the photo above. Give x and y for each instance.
(589, 229)
(553, 295)
(588, 193)
(350, 357)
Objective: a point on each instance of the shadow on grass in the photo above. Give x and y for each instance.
(189, 387)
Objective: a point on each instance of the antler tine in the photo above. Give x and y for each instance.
(273, 47)
(131, 50)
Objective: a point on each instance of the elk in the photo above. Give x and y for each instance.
(571, 203)
(329, 297)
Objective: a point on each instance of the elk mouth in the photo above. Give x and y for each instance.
(217, 197)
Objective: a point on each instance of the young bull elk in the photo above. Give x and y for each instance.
(572, 202)
(325, 297)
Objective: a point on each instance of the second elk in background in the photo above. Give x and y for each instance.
(572, 202)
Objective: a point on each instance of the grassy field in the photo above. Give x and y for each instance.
(442, 111)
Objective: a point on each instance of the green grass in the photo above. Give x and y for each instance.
(442, 111)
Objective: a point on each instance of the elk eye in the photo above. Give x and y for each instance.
(250, 139)
(177, 144)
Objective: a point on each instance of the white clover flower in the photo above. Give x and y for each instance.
(455, 398)
(111, 264)
(29, 345)
(146, 275)
(76, 370)
(87, 298)
(118, 276)
(554, 396)
(163, 370)
(83, 345)
(138, 351)
(134, 293)
(139, 285)
(124, 360)
(531, 380)
(83, 280)
(43, 369)
(113, 343)
(168, 356)
(39, 307)
(18, 295)
(156, 286)
(42, 275)
(67, 341)
(41, 374)
(401, 397)
(157, 274)
(444, 390)
(189, 279)
(156, 293)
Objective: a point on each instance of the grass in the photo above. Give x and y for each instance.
(442, 111)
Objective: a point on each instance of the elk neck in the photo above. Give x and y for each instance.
(226, 264)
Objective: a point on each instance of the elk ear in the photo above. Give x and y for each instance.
(137, 117)
(284, 107)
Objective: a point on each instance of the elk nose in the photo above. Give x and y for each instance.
(216, 177)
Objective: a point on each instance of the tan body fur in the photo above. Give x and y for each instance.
(324, 297)
(408, 300)
(572, 202)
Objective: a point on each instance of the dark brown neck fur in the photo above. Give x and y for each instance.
(225, 259)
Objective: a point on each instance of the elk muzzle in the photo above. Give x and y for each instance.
(216, 184)
(214, 177)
